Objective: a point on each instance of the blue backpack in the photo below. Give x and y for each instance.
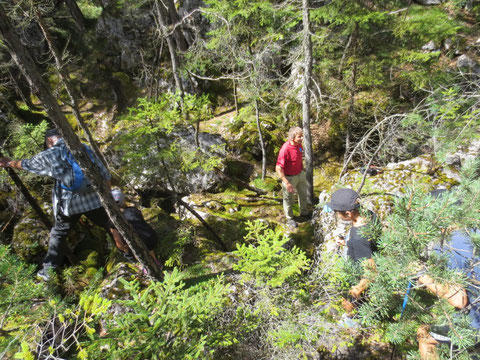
(79, 180)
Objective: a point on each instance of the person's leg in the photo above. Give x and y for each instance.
(427, 345)
(100, 218)
(301, 188)
(288, 198)
(58, 234)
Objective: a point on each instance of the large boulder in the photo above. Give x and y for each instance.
(153, 176)
(465, 62)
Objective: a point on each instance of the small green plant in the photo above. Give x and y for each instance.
(165, 321)
(266, 259)
(28, 139)
(89, 10)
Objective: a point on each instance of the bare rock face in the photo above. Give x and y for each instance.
(466, 63)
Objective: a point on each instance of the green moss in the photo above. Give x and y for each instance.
(269, 184)
(30, 240)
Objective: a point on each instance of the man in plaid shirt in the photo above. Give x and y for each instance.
(68, 206)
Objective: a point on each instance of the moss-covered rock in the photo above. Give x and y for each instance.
(30, 239)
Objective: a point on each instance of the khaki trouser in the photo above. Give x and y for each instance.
(299, 183)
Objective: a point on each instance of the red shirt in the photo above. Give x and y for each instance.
(290, 159)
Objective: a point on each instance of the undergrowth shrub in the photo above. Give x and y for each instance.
(165, 320)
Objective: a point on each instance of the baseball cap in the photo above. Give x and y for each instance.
(50, 133)
(118, 196)
(343, 200)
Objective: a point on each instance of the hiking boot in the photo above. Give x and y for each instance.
(43, 275)
(292, 224)
(305, 218)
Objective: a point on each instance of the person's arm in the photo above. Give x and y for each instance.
(357, 290)
(14, 164)
(456, 295)
(282, 177)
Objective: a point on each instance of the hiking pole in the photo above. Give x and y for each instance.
(404, 305)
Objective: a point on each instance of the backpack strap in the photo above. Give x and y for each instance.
(78, 176)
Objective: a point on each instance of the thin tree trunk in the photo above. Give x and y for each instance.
(189, 208)
(235, 96)
(28, 67)
(204, 223)
(28, 196)
(307, 76)
(180, 201)
(262, 142)
(353, 91)
(162, 19)
(76, 14)
(240, 182)
(174, 20)
(64, 76)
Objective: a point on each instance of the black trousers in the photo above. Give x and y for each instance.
(60, 230)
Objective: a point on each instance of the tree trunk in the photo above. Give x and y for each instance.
(262, 142)
(28, 67)
(307, 76)
(76, 14)
(162, 19)
(30, 199)
(180, 40)
(235, 96)
(353, 90)
(64, 76)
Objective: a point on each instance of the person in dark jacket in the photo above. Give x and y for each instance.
(135, 218)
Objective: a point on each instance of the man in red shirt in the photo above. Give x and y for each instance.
(290, 170)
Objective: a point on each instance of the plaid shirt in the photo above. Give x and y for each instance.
(52, 162)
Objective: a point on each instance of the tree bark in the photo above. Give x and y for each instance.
(262, 142)
(307, 76)
(162, 19)
(240, 182)
(76, 14)
(64, 76)
(353, 90)
(28, 67)
(180, 40)
(28, 196)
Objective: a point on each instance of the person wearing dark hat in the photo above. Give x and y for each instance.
(69, 203)
(135, 218)
(361, 240)
(289, 168)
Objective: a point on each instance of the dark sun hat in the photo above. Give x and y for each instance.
(48, 134)
(343, 200)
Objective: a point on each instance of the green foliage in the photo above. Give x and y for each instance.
(19, 320)
(184, 237)
(165, 321)
(28, 139)
(160, 125)
(416, 224)
(423, 24)
(266, 259)
(449, 119)
(89, 9)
